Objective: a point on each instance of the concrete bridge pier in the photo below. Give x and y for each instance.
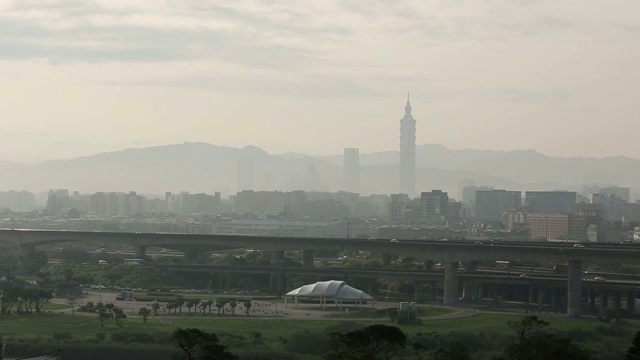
(275, 278)
(540, 300)
(591, 294)
(631, 301)
(553, 302)
(469, 287)
(496, 293)
(141, 251)
(434, 291)
(307, 258)
(604, 297)
(480, 294)
(450, 296)
(617, 299)
(574, 289)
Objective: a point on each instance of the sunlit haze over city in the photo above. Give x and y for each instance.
(79, 78)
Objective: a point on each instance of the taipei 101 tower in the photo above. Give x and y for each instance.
(408, 151)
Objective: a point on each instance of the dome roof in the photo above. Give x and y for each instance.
(332, 289)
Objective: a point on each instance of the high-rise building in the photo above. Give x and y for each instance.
(622, 193)
(562, 202)
(408, 151)
(398, 204)
(58, 200)
(435, 206)
(351, 170)
(492, 205)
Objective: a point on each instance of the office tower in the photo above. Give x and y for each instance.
(622, 193)
(351, 170)
(562, 202)
(245, 174)
(492, 205)
(435, 206)
(398, 204)
(407, 151)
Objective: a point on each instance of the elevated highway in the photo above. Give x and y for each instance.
(449, 253)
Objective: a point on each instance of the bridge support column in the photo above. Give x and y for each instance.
(275, 278)
(531, 298)
(140, 251)
(416, 291)
(574, 289)
(631, 302)
(591, 294)
(307, 258)
(540, 300)
(496, 292)
(469, 290)
(480, 295)
(450, 296)
(617, 299)
(434, 291)
(554, 300)
(604, 297)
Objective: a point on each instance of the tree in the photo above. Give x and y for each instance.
(534, 344)
(247, 306)
(370, 343)
(189, 304)
(203, 306)
(144, 312)
(220, 303)
(199, 345)
(455, 351)
(524, 329)
(71, 300)
(634, 350)
(103, 315)
(209, 304)
(233, 305)
(119, 315)
(155, 306)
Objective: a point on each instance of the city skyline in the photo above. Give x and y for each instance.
(79, 79)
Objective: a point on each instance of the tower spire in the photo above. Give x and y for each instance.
(407, 108)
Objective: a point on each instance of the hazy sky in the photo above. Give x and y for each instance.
(80, 77)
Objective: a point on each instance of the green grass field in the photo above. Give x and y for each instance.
(85, 329)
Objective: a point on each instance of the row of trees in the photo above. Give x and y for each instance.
(25, 300)
(106, 312)
(204, 305)
(383, 342)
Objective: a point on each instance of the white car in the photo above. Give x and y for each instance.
(578, 246)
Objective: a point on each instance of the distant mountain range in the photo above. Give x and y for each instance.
(202, 167)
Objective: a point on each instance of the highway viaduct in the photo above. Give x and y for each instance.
(450, 254)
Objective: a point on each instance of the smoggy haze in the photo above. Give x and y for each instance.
(77, 78)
